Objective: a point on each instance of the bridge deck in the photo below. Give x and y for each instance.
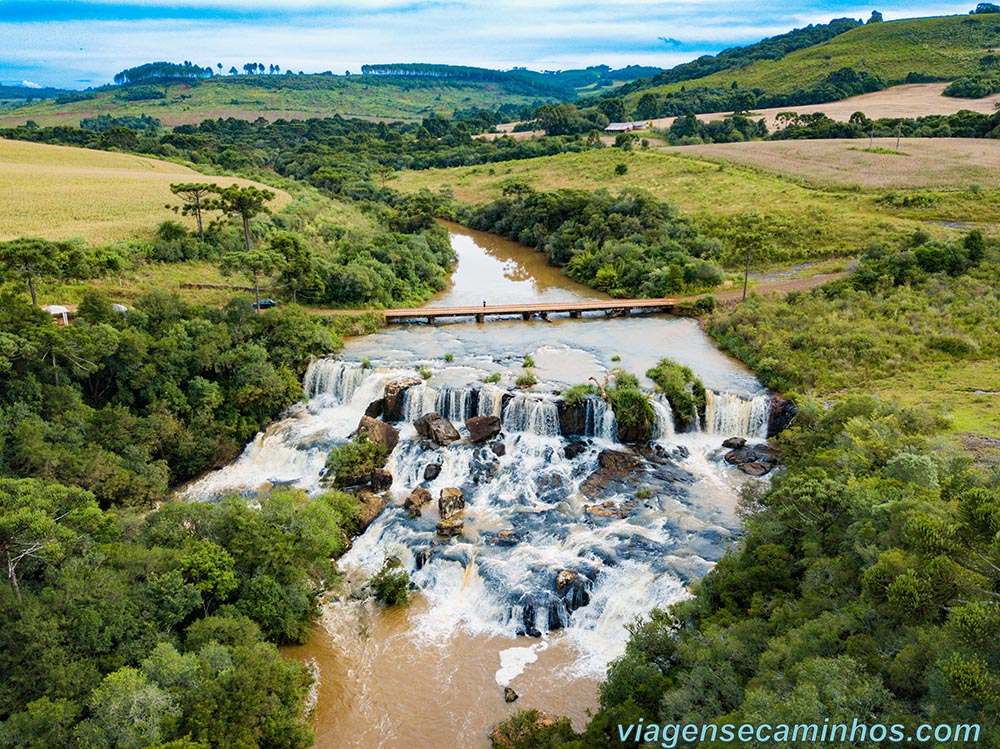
(574, 309)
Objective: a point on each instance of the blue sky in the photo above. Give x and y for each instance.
(80, 44)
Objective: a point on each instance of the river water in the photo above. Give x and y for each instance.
(488, 611)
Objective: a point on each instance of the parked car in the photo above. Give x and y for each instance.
(266, 303)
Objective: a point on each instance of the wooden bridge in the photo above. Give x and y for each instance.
(610, 307)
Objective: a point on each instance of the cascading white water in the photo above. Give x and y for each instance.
(526, 414)
(333, 380)
(664, 428)
(454, 403)
(730, 415)
(600, 420)
(491, 401)
(419, 400)
(525, 519)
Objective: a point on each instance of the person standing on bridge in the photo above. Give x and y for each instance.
(484, 302)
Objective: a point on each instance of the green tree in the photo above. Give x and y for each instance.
(129, 712)
(253, 265)
(647, 107)
(28, 259)
(38, 522)
(197, 197)
(244, 202)
(298, 271)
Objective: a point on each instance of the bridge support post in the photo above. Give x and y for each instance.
(526, 316)
(575, 313)
(430, 320)
(480, 318)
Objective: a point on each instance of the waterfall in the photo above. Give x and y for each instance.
(333, 380)
(454, 403)
(491, 401)
(524, 414)
(664, 429)
(419, 400)
(600, 420)
(729, 415)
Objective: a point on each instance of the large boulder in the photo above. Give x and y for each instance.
(572, 419)
(372, 506)
(451, 527)
(416, 500)
(616, 470)
(752, 454)
(482, 428)
(734, 443)
(432, 471)
(565, 579)
(379, 431)
(499, 448)
(434, 427)
(451, 503)
(375, 408)
(780, 416)
(392, 407)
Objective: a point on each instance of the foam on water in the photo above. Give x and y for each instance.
(525, 517)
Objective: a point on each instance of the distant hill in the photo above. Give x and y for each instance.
(24, 93)
(830, 62)
(183, 94)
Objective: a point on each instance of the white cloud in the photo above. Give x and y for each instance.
(311, 35)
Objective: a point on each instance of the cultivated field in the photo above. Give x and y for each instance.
(921, 162)
(279, 97)
(910, 100)
(804, 221)
(66, 193)
(946, 47)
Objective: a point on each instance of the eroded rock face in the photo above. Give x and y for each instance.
(482, 428)
(392, 407)
(373, 505)
(451, 527)
(565, 579)
(780, 416)
(754, 460)
(451, 503)
(416, 500)
(434, 427)
(572, 419)
(375, 408)
(379, 431)
(614, 468)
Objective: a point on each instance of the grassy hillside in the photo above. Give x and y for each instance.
(289, 97)
(946, 47)
(73, 193)
(801, 219)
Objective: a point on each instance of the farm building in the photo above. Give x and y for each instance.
(625, 127)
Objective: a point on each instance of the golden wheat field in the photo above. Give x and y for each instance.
(919, 162)
(59, 193)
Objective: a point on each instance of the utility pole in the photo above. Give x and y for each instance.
(746, 274)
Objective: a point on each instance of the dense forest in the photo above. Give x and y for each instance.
(627, 245)
(125, 627)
